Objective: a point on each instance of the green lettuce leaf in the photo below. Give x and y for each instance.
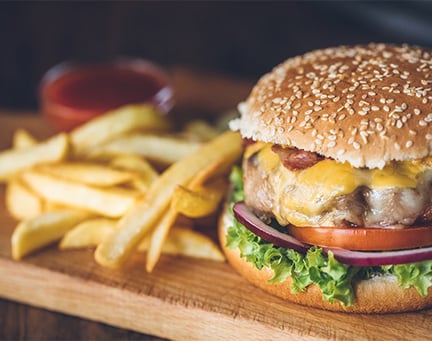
(333, 278)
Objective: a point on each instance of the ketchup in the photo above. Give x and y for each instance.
(71, 95)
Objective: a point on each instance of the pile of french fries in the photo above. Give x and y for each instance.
(124, 182)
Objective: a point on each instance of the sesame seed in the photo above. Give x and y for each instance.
(340, 152)
(356, 145)
(409, 144)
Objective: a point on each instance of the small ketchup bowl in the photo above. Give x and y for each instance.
(72, 94)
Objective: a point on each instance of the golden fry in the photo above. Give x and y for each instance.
(109, 202)
(143, 216)
(144, 171)
(206, 205)
(88, 233)
(21, 202)
(187, 242)
(88, 173)
(199, 202)
(23, 139)
(200, 130)
(163, 150)
(115, 123)
(43, 230)
(158, 237)
(15, 160)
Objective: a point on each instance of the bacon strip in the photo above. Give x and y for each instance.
(296, 159)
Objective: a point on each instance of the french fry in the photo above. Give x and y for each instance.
(88, 173)
(42, 230)
(163, 150)
(145, 173)
(200, 130)
(110, 202)
(88, 233)
(187, 242)
(201, 201)
(52, 206)
(15, 160)
(158, 238)
(143, 215)
(23, 139)
(21, 202)
(161, 230)
(117, 122)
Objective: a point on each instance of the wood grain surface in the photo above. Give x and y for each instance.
(182, 299)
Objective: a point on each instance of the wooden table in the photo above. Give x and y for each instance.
(182, 299)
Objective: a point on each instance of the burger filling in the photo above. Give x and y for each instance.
(334, 278)
(306, 189)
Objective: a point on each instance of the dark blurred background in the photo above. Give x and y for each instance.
(240, 39)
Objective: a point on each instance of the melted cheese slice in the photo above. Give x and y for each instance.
(305, 194)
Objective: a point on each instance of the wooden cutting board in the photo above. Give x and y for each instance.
(182, 299)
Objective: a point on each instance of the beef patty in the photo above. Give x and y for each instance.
(390, 207)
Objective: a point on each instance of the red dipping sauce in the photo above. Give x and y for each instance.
(73, 94)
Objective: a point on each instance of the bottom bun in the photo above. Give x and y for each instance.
(381, 294)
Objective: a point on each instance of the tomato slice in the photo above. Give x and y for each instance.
(364, 238)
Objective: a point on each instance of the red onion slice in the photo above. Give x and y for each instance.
(246, 217)
(357, 258)
(374, 258)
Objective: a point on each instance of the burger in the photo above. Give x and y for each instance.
(332, 205)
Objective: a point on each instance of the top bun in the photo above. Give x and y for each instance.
(366, 105)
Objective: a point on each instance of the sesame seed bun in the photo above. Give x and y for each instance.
(366, 105)
(376, 295)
